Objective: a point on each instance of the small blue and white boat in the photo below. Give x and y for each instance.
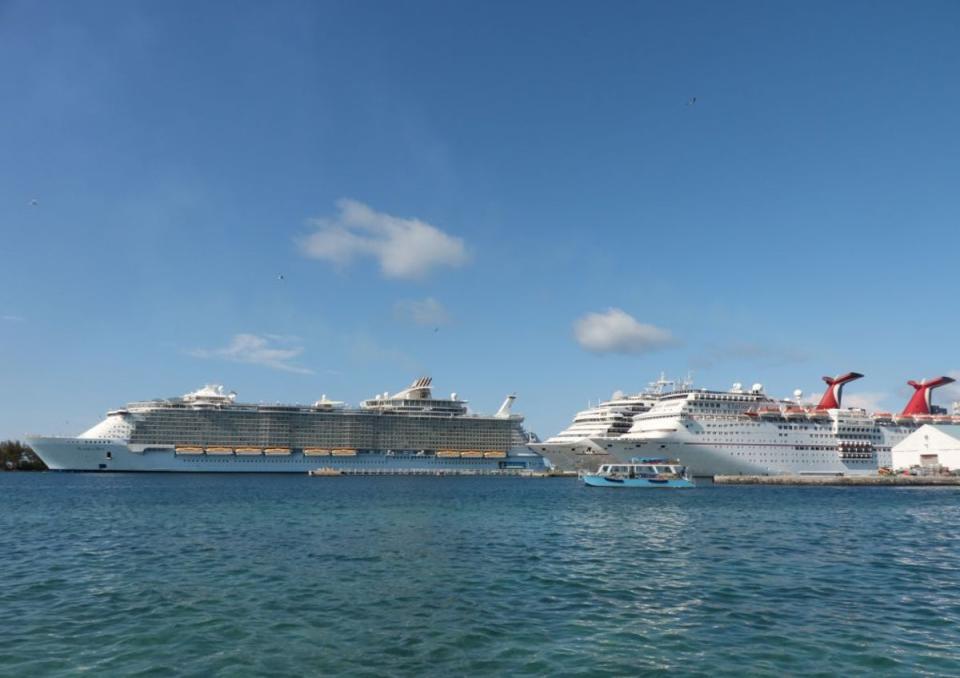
(640, 473)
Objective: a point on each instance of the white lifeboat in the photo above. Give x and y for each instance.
(220, 450)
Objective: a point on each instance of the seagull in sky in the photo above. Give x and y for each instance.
(34, 202)
(280, 277)
(692, 101)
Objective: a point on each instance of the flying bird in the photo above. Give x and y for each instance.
(280, 277)
(34, 202)
(691, 101)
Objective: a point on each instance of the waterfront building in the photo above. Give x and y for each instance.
(932, 446)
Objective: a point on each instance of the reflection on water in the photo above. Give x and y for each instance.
(289, 575)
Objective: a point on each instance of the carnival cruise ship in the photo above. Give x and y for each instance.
(575, 448)
(747, 432)
(207, 430)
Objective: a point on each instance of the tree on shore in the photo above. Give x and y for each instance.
(15, 456)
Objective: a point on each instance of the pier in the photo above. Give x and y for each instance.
(514, 473)
(856, 481)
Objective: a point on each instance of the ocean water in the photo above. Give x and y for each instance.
(218, 575)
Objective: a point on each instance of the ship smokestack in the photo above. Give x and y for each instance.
(832, 396)
(504, 410)
(920, 401)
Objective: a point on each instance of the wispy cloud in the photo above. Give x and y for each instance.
(427, 312)
(12, 318)
(767, 355)
(871, 401)
(951, 392)
(270, 350)
(404, 247)
(616, 331)
(366, 350)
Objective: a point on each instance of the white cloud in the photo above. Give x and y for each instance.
(616, 331)
(951, 392)
(267, 350)
(405, 248)
(429, 311)
(11, 318)
(891, 401)
(871, 401)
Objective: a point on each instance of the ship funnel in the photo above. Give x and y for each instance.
(832, 396)
(504, 410)
(920, 401)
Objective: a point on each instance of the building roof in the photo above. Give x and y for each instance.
(940, 432)
(952, 430)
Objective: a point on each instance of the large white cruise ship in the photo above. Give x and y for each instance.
(207, 430)
(575, 448)
(747, 432)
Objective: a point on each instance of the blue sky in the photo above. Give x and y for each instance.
(505, 196)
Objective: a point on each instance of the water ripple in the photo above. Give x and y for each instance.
(234, 576)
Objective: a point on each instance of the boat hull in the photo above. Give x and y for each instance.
(580, 456)
(643, 483)
(78, 454)
(710, 459)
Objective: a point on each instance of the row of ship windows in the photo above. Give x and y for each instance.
(443, 424)
(352, 462)
(300, 418)
(299, 432)
(738, 425)
(349, 430)
(796, 447)
(331, 425)
(326, 444)
(795, 457)
(800, 427)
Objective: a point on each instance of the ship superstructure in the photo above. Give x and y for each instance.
(575, 448)
(746, 431)
(208, 430)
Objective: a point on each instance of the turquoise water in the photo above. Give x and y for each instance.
(288, 575)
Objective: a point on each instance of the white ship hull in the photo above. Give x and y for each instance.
(716, 458)
(580, 455)
(79, 454)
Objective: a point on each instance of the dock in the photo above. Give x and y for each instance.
(512, 473)
(838, 480)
